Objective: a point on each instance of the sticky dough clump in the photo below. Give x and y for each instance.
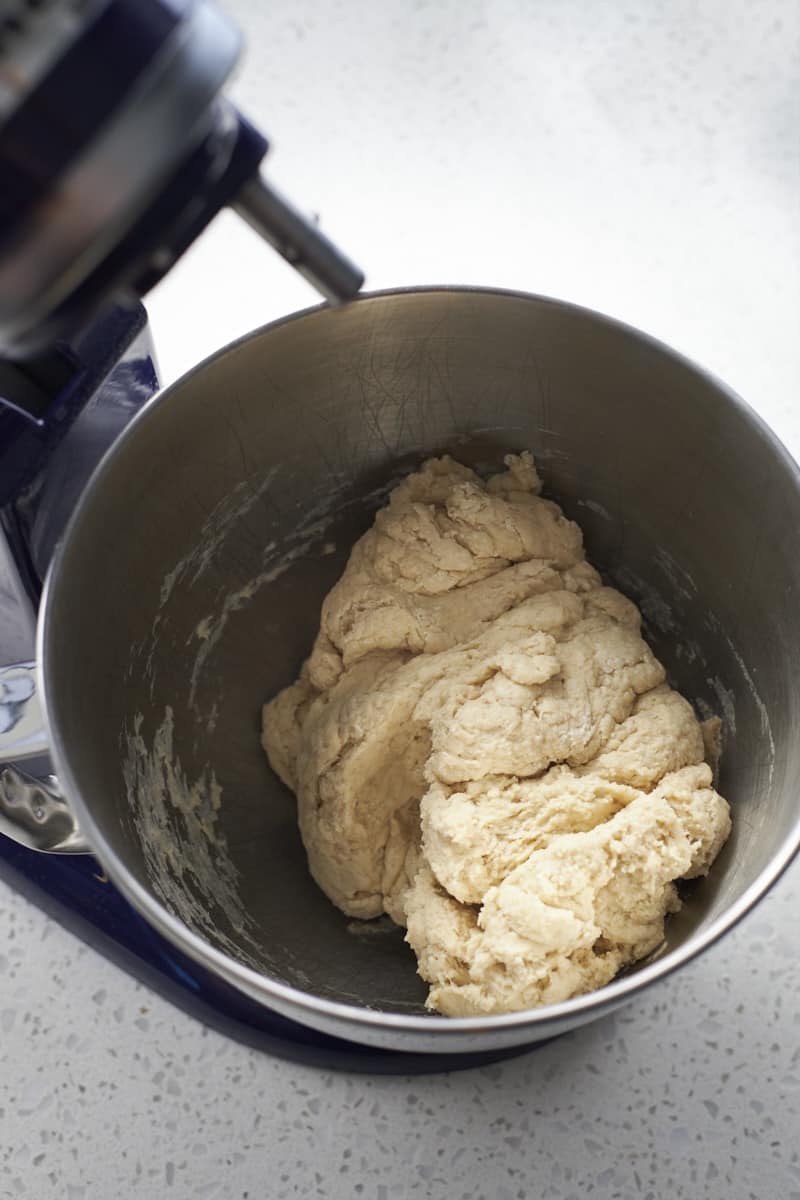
(483, 746)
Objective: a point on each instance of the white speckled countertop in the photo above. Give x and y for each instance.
(642, 158)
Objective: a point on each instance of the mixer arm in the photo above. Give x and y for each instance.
(116, 150)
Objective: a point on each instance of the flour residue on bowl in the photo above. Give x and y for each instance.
(177, 824)
(596, 508)
(213, 532)
(684, 587)
(309, 537)
(211, 536)
(661, 616)
(210, 629)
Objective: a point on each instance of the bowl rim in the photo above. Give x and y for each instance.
(259, 985)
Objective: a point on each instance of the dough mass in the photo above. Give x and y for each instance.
(483, 746)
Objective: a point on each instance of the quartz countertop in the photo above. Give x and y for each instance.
(641, 158)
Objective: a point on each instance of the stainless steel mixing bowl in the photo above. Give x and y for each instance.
(188, 589)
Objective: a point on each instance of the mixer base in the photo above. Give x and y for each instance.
(75, 892)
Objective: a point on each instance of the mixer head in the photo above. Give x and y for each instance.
(116, 150)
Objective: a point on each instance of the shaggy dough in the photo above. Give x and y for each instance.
(483, 746)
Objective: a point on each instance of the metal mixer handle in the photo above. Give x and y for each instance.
(33, 811)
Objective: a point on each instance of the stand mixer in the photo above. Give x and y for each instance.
(116, 150)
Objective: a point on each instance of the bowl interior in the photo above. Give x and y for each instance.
(192, 580)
